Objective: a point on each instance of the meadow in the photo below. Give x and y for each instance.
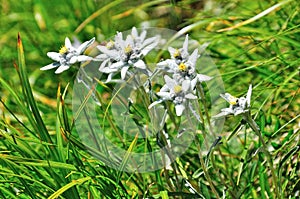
(56, 129)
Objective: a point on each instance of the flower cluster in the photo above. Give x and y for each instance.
(181, 87)
(126, 56)
(237, 105)
(182, 65)
(68, 55)
(178, 93)
(120, 55)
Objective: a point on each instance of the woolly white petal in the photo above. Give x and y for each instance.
(229, 98)
(82, 58)
(148, 48)
(109, 77)
(124, 71)
(190, 96)
(68, 43)
(172, 51)
(248, 97)
(194, 56)
(140, 64)
(169, 81)
(179, 109)
(50, 66)
(103, 65)
(110, 53)
(62, 68)
(164, 88)
(108, 70)
(54, 55)
(154, 103)
(73, 60)
(117, 65)
(186, 85)
(164, 95)
(186, 43)
(193, 83)
(134, 32)
(143, 35)
(85, 45)
(203, 78)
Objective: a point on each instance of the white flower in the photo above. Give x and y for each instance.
(237, 105)
(179, 94)
(182, 65)
(120, 55)
(68, 55)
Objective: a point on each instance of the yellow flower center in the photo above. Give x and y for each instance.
(128, 49)
(177, 89)
(176, 53)
(63, 50)
(182, 67)
(233, 100)
(110, 45)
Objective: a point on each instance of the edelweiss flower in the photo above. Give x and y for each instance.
(183, 65)
(68, 55)
(120, 55)
(178, 93)
(237, 105)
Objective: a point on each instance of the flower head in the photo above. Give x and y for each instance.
(179, 94)
(120, 55)
(182, 65)
(68, 55)
(237, 106)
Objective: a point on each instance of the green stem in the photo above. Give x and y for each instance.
(206, 174)
(255, 128)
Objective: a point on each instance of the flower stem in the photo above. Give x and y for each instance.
(206, 174)
(256, 129)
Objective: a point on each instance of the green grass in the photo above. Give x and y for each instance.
(41, 155)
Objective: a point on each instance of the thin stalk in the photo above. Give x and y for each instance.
(206, 174)
(255, 128)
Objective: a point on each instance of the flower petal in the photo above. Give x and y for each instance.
(140, 64)
(83, 58)
(85, 45)
(143, 35)
(186, 43)
(186, 85)
(62, 68)
(203, 78)
(50, 66)
(193, 57)
(54, 55)
(248, 97)
(155, 103)
(190, 96)
(229, 98)
(169, 82)
(164, 95)
(134, 32)
(109, 78)
(117, 65)
(193, 83)
(111, 53)
(172, 51)
(148, 48)
(179, 109)
(68, 43)
(124, 71)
